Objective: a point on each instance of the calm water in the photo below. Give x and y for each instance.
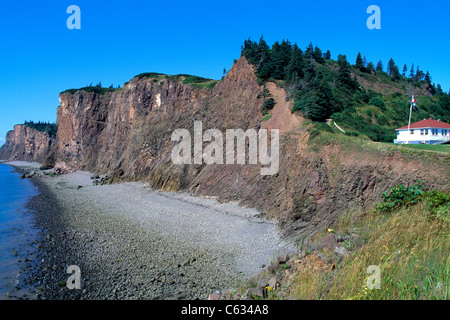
(15, 225)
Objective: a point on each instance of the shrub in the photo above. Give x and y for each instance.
(268, 104)
(400, 196)
(378, 102)
(437, 202)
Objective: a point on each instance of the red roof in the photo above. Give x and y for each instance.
(427, 123)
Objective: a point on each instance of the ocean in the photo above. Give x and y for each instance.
(16, 226)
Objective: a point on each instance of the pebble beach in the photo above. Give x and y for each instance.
(132, 242)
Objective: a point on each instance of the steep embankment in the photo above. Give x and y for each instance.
(26, 144)
(126, 134)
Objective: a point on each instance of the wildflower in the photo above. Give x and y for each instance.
(269, 288)
(330, 230)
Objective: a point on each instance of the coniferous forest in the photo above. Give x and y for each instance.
(366, 99)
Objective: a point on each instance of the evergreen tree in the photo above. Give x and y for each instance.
(344, 74)
(280, 58)
(294, 70)
(327, 55)
(263, 61)
(392, 69)
(317, 55)
(310, 70)
(419, 74)
(359, 64)
(262, 52)
(412, 74)
(370, 67)
(379, 66)
(428, 78)
(405, 68)
(309, 52)
(248, 50)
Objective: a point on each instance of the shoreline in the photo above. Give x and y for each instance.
(133, 242)
(17, 232)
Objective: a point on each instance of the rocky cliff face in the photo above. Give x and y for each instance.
(27, 144)
(127, 135)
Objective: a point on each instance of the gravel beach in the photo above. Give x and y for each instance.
(133, 242)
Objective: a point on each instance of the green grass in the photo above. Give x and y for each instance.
(426, 147)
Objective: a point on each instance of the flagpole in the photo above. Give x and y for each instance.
(409, 122)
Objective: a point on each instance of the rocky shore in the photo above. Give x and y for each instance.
(132, 242)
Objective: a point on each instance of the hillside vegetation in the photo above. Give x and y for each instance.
(397, 251)
(50, 128)
(362, 98)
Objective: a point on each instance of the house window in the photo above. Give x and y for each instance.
(426, 132)
(421, 132)
(411, 131)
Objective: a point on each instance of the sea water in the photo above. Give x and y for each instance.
(15, 226)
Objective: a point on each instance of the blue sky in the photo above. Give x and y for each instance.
(40, 56)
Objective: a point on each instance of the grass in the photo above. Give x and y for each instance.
(445, 148)
(410, 247)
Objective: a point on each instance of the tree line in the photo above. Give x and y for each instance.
(50, 128)
(322, 87)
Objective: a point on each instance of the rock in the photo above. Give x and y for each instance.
(341, 251)
(274, 283)
(214, 296)
(329, 242)
(263, 283)
(282, 259)
(274, 268)
(258, 292)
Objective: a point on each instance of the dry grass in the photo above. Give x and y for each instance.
(411, 249)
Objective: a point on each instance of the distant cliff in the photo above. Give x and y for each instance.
(27, 144)
(126, 134)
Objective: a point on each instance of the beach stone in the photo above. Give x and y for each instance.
(341, 251)
(214, 296)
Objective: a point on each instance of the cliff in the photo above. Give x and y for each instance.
(126, 134)
(26, 144)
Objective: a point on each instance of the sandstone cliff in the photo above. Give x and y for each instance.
(126, 134)
(26, 144)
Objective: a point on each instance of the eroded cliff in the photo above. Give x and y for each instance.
(126, 135)
(26, 144)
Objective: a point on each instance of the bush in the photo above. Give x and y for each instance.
(400, 196)
(268, 104)
(437, 202)
(378, 102)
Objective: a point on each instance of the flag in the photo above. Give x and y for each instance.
(414, 104)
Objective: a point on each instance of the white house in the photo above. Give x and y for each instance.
(426, 131)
